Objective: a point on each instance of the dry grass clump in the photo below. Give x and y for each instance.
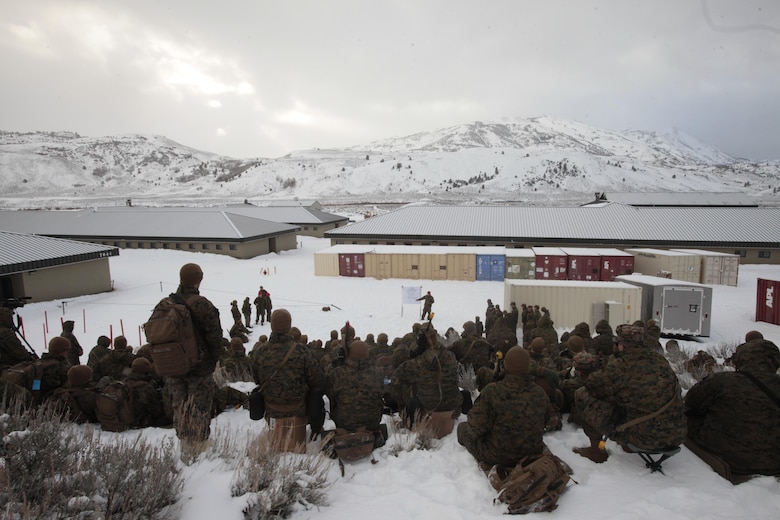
(277, 483)
(50, 468)
(467, 378)
(421, 436)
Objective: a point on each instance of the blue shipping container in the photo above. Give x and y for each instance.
(491, 268)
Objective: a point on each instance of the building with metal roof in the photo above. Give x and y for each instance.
(211, 230)
(677, 199)
(751, 232)
(44, 268)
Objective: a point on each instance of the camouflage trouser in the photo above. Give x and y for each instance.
(596, 415)
(192, 399)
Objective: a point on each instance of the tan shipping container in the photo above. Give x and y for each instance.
(573, 302)
(462, 266)
(716, 268)
(379, 265)
(667, 264)
(520, 264)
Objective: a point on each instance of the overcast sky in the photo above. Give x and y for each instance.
(254, 78)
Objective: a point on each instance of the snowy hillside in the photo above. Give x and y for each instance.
(525, 160)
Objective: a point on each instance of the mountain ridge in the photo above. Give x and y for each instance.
(529, 159)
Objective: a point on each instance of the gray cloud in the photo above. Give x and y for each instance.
(264, 78)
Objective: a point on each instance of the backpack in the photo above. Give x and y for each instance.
(350, 446)
(27, 374)
(171, 334)
(114, 407)
(531, 487)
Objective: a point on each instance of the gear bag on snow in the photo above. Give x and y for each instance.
(114, 407)
(531, 486)
(27, 374)
(171, 334)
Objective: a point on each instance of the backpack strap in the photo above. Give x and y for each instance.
(286, 357)
(762, 386)
(626, 425)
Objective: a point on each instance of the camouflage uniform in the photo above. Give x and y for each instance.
(730, 416)
(604, 342)
(428, 303)
(116, 365)
(506, 422)
(263, 306)
(639, 382)
(77, 399)
(75, 348)
(197, 385)
(431, 377)
(11, 349)
(285, 394)
(501, 336)
(582, 330)
(98, 352)
(147, 400)
(545, 330)
(355, 394)
(246, 310)
(513, 316)
(237, 367)
(472, 350)
(55, 375)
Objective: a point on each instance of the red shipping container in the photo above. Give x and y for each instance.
(551, 263)
(583, 264)
(766, 301)
(614, 263)
(352, 264)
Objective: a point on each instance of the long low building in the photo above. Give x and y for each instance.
(188, 229)
(753, 233)
(44, 268)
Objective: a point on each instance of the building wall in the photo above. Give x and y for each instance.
(242, 250)
(67, 281)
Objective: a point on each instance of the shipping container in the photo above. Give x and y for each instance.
(667, 264)
(716, 268)
(352, 264)
(583, 263)
(462, 265)
(678, 307)
(614, 262)
(573, 302)
(766, 293)
(520, 264)
(490, 268)
(327, 261)
(551, 263)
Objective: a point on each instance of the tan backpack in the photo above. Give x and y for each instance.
(531, 486)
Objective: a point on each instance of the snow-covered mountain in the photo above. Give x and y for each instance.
(525, 160)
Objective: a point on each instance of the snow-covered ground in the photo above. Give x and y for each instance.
(444, 482)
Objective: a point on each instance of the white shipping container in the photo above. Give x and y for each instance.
(667, 264)
(571, 302)
(716, 268)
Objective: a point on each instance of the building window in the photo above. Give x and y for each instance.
(442, 268)
(233, 247)
(166, 245)
(205, 247)
(192, 246)
(178, 246)
(219, 247)
(741, 252)
(764, 254)
(414, 267)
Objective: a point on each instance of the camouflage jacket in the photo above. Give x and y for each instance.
(641, 382)
(11, 349)
(287, 384)
(96, 354)
(147, 401)
(433, 378)
(116, 365)
(355, 394)
(208, 328)
(508, 420)
(732, 417)
(479, 355)
(75, 348)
